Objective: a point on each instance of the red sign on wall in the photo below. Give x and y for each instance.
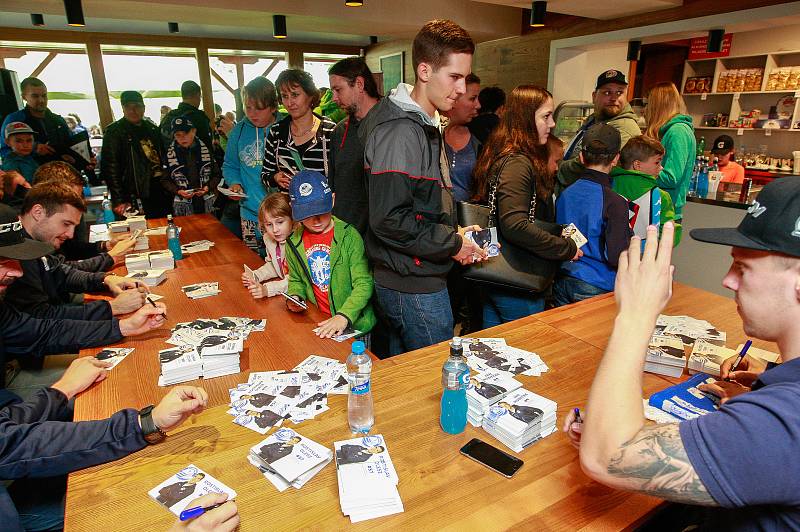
(699, 45)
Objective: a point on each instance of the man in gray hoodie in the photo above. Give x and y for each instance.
(413, 237)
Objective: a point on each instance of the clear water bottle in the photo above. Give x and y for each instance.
(360, 416)
(692, 192)
(174, 239)
(108, 212)
(455, 377)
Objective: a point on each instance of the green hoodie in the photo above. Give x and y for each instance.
(634, 186)
(350, 287)
(677, 136)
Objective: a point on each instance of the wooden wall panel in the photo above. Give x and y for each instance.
(375, 52)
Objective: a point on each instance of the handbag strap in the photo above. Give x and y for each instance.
(493, 197)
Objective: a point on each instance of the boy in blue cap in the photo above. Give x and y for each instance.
(327, 264)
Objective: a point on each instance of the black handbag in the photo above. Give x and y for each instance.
(515, 267)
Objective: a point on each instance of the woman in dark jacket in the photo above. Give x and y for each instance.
(515, 158)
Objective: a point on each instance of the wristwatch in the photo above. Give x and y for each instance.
(152, 434)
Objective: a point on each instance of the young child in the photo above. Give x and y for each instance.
(635, 180)
(275, 218)
(600, 214)
(327, 264)
(192, 175)
(723, 149)
(19, 137)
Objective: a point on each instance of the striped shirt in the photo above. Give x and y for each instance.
(280, 143)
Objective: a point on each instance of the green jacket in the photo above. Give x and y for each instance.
(634, 186)
(350, 288)
(677, 136)
(626, 122)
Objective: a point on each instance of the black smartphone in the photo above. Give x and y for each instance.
(492, 457)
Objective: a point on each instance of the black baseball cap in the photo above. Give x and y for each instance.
(610, 76)
(772, 222)
(723, 144)
(601, 139)
(131, 97)
(13, 245)
(181, 123)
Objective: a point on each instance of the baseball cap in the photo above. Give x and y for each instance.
(13, 245)
(772, 222)
(131, 97)
(610, 76)
(723, 144)
(17, 127)
(181, 123)
(310, 195)
(601, 139)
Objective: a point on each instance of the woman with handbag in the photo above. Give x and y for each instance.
(512, 175)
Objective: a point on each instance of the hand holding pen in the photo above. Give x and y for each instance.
(573, 427)
(742, 369)
(210, 512)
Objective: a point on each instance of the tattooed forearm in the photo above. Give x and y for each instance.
(654, 462)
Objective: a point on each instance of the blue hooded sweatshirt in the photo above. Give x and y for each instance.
(244, 156)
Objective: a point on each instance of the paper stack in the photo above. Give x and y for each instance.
(179, 364)
(98, 233)
(182, 488)
(367, 479)
(684, 400)
(142, 242)
(707, 357)
(137, 262)
(162, 260)
(113, 355)
(665, 356)
(118, 227)
(688, 329)
(137, 222)
(197, 246)
(149, 277)
(201, 290)
(484, 390)
(288, 459)
(494, 353)
(520, 419)
(269, 398)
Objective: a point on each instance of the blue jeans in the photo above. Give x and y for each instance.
(414, 320)
(568, 290)
(502, 305)
(39, 502)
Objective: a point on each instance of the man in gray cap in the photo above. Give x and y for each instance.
(610, 107)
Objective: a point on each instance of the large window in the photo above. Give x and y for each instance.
(230, 69)
(318, 64)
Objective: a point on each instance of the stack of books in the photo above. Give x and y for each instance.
(520, 419)
(367, 479)
(484, 390)
(137, 222)
(288, 459)
(665, 356)
(707, 357)
(98, 233)
(149, 277)
(220, 356)
(136, 262)
(162, 260)
(200, 290)
(179, 364)
(118, 227)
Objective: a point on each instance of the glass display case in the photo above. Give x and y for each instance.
(569, 115)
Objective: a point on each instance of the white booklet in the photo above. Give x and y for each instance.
(289, 454)
(115, 355)
(189, 483)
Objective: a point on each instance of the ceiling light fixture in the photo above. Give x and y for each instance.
(538, 9)
(173, 27)
(37, 19)
(74, 12)
(279, 26)
(353, 3)
(715, 38)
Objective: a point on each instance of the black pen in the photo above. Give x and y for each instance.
(156, 306)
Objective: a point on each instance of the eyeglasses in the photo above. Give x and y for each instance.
(608, 93)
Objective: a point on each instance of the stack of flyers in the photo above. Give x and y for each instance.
(115, 355)
(118, 227)
(197, 246)
(707, 357)
(200, 290)
(142, 242)
(228, 192)
(367, 478)
(220, 355)
(493, 353)
(137, 223)
(179, 364)
(484, 390)
(346, 334)
(689, 329)
(162, 260)
(684, 400)
(136, 262)
(149, 277)
(571, 231)
(160, 230)
(485, 239)
(288, 459)
(665, 356)
(520, 419)
(98, 233)
(189, 483)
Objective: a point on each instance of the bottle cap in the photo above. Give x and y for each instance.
(359, 347)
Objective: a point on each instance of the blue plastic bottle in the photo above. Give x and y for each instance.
(173, 239)
(108, 213)
(702, 180)
(455, 377)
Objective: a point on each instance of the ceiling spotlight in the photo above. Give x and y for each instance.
(373, 39)
(538, 9)
(173, 27)
(715, 38)
(74, 13)
(279, 26)
(37, 19)
(353, 3)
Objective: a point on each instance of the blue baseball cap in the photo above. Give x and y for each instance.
(310, 195)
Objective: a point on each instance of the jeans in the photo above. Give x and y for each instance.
(502, 305)
(39, 502)
(231, 219)
(414, 320)
(252, 237)
(568, 290)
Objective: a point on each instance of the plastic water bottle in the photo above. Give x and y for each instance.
(692, 192)
(108, 212)
(174, 239)
(360, 416)
(702, 180)
(455, 377)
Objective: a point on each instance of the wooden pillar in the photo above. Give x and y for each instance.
(99, 82)
(294, 58)
(632, 79)
(201, 52)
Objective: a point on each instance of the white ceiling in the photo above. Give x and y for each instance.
(603, 10)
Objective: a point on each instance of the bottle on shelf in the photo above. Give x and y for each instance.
(701, 146)
(455, 377)
(108, 212)
(702, 179)
(360, 415)
(174, 238)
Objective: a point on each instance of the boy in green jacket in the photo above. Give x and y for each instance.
(635, 180)
(327, 264)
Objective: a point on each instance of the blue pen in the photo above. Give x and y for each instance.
(197, 511)
(742, 353)
(578, 418)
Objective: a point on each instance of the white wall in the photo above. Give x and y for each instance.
(576, 69)
(781, 38)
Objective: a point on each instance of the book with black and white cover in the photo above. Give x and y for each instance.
(186, 485)
(665, 356)
(137, 262)
(521, 418)
(179, 364)
(263, 420)
(707, 357)
(200, 290)
(149, 277)
(290, 455)
(485, 389)
(161, 260)
(114, 355)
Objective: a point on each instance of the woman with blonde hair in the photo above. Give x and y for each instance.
(668, 122)
(514, 163)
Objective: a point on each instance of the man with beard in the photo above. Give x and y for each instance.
(610, 107)
(355, 91)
